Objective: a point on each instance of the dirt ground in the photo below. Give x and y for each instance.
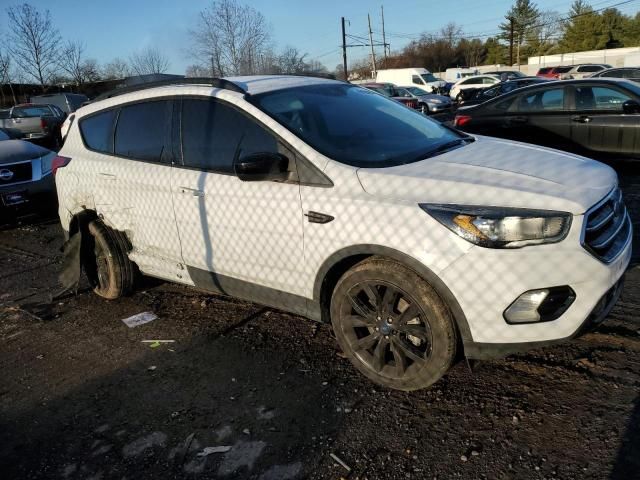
(81, 397)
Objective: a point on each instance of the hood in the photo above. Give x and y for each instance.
(492, 172)
(433, 96)
(12, 151)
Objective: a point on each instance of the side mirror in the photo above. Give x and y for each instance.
(631, 107)
(262, 166)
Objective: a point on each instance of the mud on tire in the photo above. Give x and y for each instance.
(111, 273)
(392, 325)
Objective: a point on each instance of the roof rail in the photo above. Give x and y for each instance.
(214, 82)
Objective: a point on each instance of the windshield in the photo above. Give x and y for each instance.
(428, 77)
(354, 125)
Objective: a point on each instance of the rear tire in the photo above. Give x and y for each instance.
(107, 265)
(392, 325)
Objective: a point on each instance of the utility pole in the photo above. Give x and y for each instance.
(518, 55)
(373, 53)
(384, 38)
(511, 42)
(344, 52)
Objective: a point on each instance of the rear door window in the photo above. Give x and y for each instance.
(545, 100)
(417, 80)
(214, 134)
(143, 131)
(97, 131)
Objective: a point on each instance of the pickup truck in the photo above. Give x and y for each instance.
(37, 123)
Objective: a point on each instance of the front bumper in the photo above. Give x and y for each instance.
(485, 281)
(437, 108)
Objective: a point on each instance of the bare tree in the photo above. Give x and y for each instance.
(197, 71)
(148, 61)
(34, 42)
(230, 38)
(116, 69)
(71, 61)
(5, 75)
(291, 60)
(90, 70)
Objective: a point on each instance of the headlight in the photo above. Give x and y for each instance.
(434, 100)
(497, 227)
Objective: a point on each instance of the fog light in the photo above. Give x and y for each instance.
(540, 305)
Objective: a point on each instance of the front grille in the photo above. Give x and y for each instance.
(607, 227)
(15, 173)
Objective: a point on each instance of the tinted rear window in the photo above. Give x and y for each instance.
(22, 112)
(562, 69)
(143, 131)
(544, 70)
(97, 131)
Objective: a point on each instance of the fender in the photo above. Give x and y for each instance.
(418, 267)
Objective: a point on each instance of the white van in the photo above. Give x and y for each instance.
(454, 75)
(403, 77)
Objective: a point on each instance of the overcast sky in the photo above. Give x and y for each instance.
(115, 28)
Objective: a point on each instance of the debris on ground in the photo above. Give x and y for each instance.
(340, 462)
(209, 450)
(139, 319)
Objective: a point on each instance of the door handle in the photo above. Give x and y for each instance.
(581, 119)
(192, 191)
(107, 176)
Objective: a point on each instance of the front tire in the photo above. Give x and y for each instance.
(107, 265)
(392, 325)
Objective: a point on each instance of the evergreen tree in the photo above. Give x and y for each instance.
(524, 14)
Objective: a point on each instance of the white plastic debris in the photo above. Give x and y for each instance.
(340, 462)
(139, 319)
(210, 450)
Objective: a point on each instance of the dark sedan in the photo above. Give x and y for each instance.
(429, 103)
(596, 117)
(628, 73)
(483, 95)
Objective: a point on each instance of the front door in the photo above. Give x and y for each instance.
(542, 118)
(243, 238)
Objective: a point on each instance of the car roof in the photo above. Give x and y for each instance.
(551, 84)
(257, 84)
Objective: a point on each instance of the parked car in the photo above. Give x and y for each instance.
(553, 73)
(584, 70)
(420, 77)
(428, 103)
(26, 178)
(325, 199)
(474, 82)
(454, 75)
(628, 73)
(597, 117)
(506, 74)
(38, 123)
(482, 95)
(67, 102)
(389, 90)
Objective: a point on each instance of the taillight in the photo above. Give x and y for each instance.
(43, 124)
(59, 162)
(461, 120)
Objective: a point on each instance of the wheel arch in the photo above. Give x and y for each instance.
(342, 260)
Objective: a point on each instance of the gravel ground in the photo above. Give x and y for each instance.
(82, 397)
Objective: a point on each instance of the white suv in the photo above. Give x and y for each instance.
(418, 242)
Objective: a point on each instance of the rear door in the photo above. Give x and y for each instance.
(243, 238)
(131, 164)
(598, 123)
(541, 116)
